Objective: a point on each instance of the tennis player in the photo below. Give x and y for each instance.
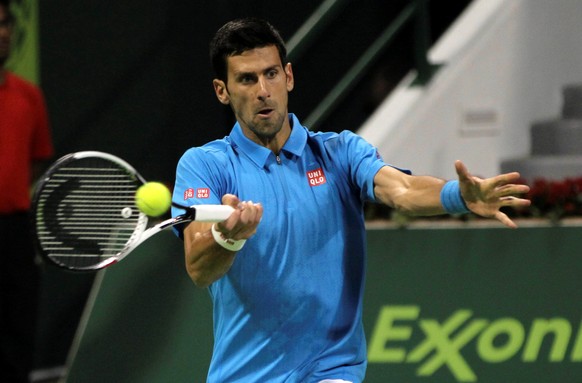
(286, 270)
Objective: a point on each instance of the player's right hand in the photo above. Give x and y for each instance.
(243, 222)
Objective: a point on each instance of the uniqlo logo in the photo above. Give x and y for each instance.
(198, 193)
(202, 193)
(316, 177)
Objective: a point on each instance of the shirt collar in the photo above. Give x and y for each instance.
(259, 154)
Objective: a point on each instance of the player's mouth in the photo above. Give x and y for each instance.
(265, 112)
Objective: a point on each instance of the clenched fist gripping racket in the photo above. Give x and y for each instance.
(85, 216)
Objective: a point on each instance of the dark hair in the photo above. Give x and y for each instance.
(241, 35)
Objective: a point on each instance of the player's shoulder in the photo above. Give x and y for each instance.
(213, 148)
(212, 152)
(330, 136)
(337, 140)
(219, 146)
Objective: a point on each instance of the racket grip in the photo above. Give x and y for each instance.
(212, 213)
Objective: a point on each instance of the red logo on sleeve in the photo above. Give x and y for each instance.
(202, 193)
(189, 193)
(196, 193)
(316, 177)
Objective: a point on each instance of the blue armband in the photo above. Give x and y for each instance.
(452, 200)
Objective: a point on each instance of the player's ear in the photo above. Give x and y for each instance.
(221, 91)
(289, 75)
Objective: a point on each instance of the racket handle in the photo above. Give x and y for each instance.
(212, 213)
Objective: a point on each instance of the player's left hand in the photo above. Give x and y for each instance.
(485, 197)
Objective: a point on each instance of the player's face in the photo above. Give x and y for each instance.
(257, 91)
(5, 32)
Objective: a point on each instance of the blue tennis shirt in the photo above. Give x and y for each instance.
(290, 308)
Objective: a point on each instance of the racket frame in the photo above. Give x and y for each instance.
(206, 213)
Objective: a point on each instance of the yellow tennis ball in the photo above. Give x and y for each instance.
(153, 199)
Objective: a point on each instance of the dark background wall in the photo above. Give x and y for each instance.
(132, 77)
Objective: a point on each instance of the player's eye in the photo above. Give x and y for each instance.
(246, 79)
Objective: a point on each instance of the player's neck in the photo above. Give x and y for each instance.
(275, 144)
(272, 142)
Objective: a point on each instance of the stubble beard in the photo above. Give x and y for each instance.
(267, 130)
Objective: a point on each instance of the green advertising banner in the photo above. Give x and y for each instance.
(24, 50)
(441, 305)
(475, 305)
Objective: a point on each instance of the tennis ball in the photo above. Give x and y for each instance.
(153, 199)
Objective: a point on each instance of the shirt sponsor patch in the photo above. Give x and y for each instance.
(316, 177)
(196, 193)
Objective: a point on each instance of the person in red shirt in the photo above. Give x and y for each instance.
(25, 143)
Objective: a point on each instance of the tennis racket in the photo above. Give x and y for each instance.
(85, 216)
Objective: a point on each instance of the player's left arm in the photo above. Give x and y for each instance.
(421, 195)
(411, 195)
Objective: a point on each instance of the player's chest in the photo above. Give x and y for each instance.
(292, 183)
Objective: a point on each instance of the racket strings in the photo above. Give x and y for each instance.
(86, 212)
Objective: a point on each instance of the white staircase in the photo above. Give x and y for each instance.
(505, 64)
(556, 144)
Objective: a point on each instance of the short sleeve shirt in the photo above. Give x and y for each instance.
(290, 307)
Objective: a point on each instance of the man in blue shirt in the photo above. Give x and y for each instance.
(286, 270)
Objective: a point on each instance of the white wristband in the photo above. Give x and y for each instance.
(227, 243)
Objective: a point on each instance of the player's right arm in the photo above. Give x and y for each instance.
(206, 260)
